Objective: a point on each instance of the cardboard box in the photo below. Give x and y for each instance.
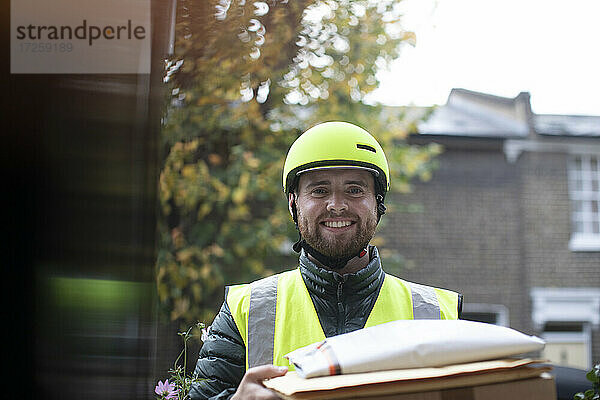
(541, 388)
(489, 380)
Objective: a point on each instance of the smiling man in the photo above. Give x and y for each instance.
(335, 177)
(337, 216)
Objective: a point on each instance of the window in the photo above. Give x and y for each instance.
(584, 191)
(496, 314)
(566, 317)
(568, 344)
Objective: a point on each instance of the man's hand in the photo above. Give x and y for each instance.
(251, 386)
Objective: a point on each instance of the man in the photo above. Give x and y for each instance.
(335, 177)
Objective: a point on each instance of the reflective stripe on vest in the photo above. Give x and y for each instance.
(276, 315)
(424, 302)
(261, 318)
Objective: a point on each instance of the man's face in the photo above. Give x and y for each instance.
(337, 211)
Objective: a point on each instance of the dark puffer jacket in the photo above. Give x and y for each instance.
(343, 304)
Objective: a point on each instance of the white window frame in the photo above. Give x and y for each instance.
(585, 239)
(565, 305)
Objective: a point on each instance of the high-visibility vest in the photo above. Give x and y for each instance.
(276, 315)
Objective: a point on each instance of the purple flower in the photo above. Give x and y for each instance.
(205, 333)
(166, 390)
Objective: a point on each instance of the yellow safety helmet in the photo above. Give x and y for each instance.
(336, 144)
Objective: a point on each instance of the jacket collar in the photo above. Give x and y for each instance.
(323, 282)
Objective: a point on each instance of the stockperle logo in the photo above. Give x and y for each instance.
(80, 36)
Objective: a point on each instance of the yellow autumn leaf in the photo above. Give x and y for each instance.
(163, 292)
(181, 306)
(184, 255)
(192, 273)
(192, 145)
(238, 195)
(204, 210)
(205, 271)
(239, 250)
(216, 250)
(257, 267)
(410, 38)
(188, 171)
(244, 179)
(410, 167)
(425, 176)
(237, 212)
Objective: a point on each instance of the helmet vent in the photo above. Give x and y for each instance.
(366, 147)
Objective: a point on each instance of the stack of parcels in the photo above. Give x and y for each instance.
(420, 359)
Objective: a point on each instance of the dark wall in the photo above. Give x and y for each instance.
(80, 160)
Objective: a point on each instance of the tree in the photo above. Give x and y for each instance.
(246, 79)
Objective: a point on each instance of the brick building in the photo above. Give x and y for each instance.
(510, 219)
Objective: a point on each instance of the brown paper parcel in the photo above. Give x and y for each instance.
(381, 383)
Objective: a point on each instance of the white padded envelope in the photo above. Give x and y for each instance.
(410, 344)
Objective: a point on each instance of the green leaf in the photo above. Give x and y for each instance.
(594, 374)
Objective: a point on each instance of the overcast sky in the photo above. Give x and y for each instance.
(546, 47)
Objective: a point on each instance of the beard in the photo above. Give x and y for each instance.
(338, 247)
